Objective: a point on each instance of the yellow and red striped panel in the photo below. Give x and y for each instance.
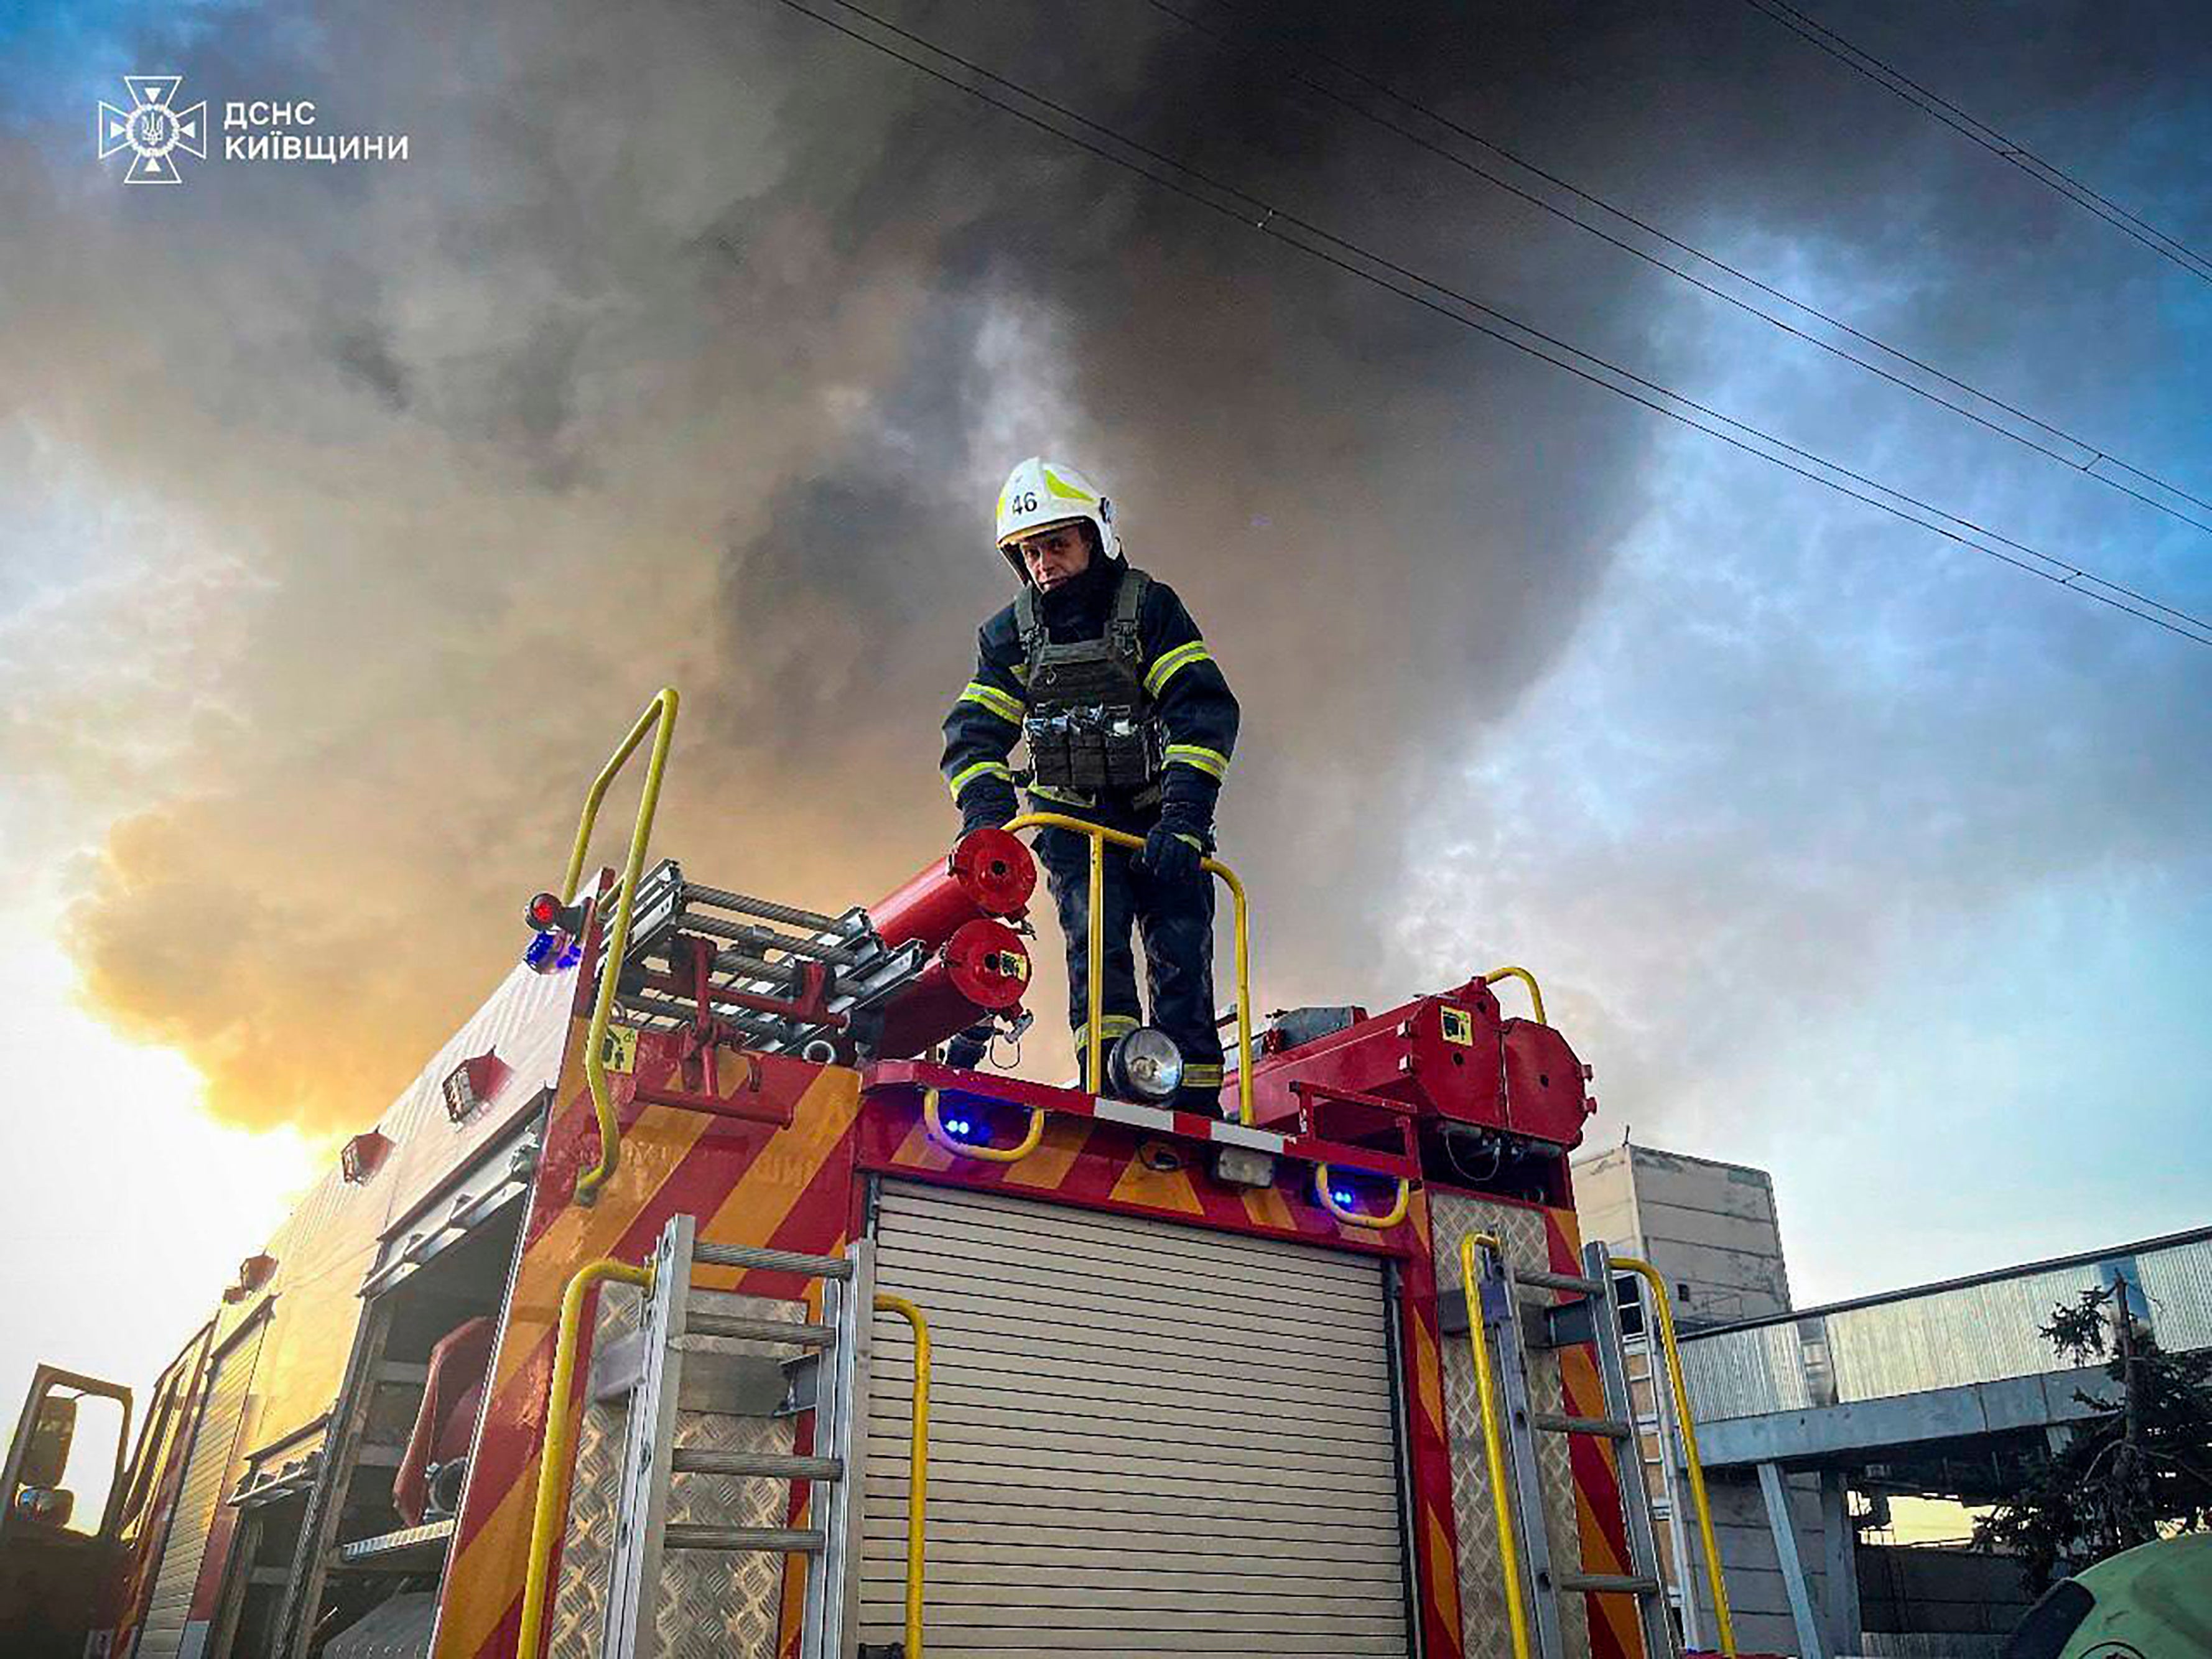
(748, 1184)
(1101, 1165)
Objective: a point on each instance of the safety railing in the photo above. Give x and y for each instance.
(917, 1463)
(1535, 993)
(1658, 1286)
(659, 720)
(1516, 1611)
(1096, 946)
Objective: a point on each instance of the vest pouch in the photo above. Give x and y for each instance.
(1051, 757)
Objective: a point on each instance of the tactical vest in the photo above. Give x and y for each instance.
(1091, 727)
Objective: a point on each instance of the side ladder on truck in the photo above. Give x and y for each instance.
(827, 1377)
(1498, 1297)
(831, 1472)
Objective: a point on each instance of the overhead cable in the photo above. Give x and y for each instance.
(2086, 460)
(1942, 109)
(1433, 295)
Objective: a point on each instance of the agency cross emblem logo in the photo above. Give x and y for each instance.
(154, 129)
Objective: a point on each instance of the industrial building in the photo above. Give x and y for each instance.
(1823, 1414)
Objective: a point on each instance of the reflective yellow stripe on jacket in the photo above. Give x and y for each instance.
(1172, 663)
(1004, 705)
(1212, 762)
(967, 774)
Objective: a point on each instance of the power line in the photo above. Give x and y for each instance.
(1942, 109)
(1277, 222)
(2096, 455)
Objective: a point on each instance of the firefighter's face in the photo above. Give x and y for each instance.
(1055, 555)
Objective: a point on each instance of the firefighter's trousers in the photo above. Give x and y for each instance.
(1174, 919)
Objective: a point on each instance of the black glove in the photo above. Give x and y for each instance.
(1172, 851)
(987, 809)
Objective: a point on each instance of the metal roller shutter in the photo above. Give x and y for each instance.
(163, 1635)
(1143, 1438)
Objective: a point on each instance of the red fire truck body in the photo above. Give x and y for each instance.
(1198, 1385)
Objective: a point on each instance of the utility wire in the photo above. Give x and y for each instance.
(2095, 455)
(1942, 109)
(1407, 283)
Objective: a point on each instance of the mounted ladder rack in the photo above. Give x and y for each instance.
(784, 980)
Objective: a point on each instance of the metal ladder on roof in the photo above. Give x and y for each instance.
(833, 1386)
(1593, 1317)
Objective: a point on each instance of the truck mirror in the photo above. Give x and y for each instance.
(46, 1454)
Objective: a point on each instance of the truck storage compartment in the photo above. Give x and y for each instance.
(1143, 1438)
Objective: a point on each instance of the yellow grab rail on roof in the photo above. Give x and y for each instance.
(659, 720)
(1535, 996)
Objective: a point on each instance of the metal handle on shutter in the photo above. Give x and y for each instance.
(917, 1463)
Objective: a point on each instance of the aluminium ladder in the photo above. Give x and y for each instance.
(1594, 1318)
(830, 1539)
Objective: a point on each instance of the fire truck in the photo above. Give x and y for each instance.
(689, 1302)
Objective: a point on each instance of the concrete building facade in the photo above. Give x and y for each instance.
(1712, 1231)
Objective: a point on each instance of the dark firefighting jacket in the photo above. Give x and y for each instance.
(1187, 695)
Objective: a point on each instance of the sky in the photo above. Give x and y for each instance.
(353, 510)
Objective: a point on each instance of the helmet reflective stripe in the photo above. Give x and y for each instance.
(1040, 495)
(1066, 491)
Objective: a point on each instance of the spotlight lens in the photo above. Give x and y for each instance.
(1147, 1064)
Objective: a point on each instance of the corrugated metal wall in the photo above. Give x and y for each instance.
(1939, 1338)
(206, 1469)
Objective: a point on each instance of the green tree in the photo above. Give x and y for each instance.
(2140, 1469)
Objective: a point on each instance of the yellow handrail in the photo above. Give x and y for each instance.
(1100, 836)
(1353, 1217)
(934, 1122)
(1651, 1276)
(1535, 995)
(658, 718)
(1493, 1446)
(917, 1462)
(553, 1455)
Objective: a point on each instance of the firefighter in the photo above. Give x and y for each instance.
(1129, 724)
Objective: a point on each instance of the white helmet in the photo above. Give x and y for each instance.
(1040, 494)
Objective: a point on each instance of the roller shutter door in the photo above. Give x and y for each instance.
(1143, 1438)
(163, 1635)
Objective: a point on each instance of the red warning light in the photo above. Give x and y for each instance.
(359, 1158)
(544, 912)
